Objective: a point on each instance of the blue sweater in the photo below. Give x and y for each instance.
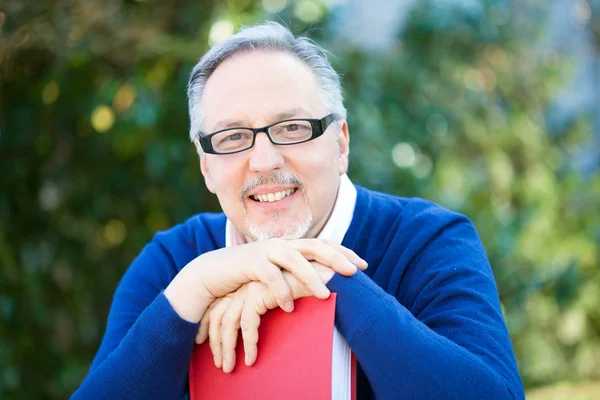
(424, 319)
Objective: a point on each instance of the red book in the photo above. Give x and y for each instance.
(300, 356)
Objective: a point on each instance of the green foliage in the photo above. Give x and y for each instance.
(561, 391)
(95, 159)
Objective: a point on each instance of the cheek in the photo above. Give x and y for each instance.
(326, 162)
(319, 168)
(226, 178)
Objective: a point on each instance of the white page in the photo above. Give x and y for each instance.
(341, 368)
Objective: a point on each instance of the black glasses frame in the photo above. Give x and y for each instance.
(319, 126)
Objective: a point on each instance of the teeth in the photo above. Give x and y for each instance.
(271, 197)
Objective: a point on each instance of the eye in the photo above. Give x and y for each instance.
(234, 137)
(291, 127)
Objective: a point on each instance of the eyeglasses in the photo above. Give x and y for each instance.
(290, 131)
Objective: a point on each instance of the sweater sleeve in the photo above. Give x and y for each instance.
(449, 341)
(146, 349)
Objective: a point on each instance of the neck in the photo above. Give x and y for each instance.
(316, 230)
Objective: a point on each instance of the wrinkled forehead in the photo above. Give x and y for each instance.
(258, 88)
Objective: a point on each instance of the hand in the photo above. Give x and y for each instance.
(243, 309)
(218, 273)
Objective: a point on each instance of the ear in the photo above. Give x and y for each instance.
(204, 168)
(344, 143)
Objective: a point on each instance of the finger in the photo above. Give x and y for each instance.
(316, 250)
(292, 261)
(202, 334)
(214, 330)
(259, 291)
(250, 321)
(324, 272)
(229, 331)
(269, 274)
(348, 253)
(298, 288)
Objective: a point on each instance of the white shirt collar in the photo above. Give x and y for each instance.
(336, 227)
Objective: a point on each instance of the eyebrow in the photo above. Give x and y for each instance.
(233, 123)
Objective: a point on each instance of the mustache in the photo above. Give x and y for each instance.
(274, 178)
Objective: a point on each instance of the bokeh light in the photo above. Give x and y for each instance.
(274, 6)
(404, 155)
(124, 98)
(115, 232)
(220, 30)
(103, 118)
(308, 11)
(50, 93)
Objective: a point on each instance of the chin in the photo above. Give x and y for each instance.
(280, 230)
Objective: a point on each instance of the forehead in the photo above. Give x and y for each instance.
(255, 87)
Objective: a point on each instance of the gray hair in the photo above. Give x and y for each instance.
(269, 36)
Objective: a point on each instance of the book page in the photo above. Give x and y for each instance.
(341, 368)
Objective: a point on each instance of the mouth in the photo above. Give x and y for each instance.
(272, 197)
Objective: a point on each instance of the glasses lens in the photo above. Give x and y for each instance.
(232, 140)
(291, 131)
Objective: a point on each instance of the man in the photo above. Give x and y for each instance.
(270, 128)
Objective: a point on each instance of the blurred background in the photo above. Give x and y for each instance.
(488, 107)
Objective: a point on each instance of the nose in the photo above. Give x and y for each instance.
(265, 156)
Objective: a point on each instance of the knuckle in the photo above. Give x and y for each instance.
(230, 319)
(272, 274)
(226, 321)
(215, 342)
(290, 259)
(246, 329)
(213, 330)
(295, 255)
(215, 314)
(228, 346)
(248, 323)
(253, 287)
(229, 342)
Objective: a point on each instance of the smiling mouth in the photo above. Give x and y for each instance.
(272, 197)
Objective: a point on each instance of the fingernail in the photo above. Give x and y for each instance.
(351, 266)
(324, 292)
(247, 359)
(216, 361)
(289, 306)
